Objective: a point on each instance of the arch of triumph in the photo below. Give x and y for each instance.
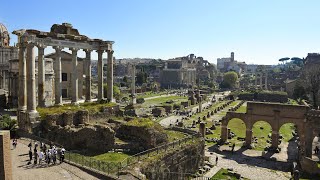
(307, 122)
(60, 37)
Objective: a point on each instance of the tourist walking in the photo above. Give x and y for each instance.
(316, 150)
(30, 155)
(62, 151)
(232, 149)
(54, 156)
(217, 160)
(14, 143)
(48, 155)
(35, 156)
(40, 154)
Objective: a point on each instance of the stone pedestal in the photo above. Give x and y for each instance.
(5, 156)
(202, 129)
(275, 140)
(248, 137)
(224, 133)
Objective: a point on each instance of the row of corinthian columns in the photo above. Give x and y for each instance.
(27, 83)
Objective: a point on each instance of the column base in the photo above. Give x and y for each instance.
(58, 104)
(112, 100)
(76, 103)
(42, 104)
(88, 100)
(33, 114)
(22, 109)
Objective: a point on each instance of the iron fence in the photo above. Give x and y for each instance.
(113, 168)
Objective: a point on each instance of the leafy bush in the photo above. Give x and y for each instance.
(176, 106)
(6, 123)
(140, 100)
(269, 96)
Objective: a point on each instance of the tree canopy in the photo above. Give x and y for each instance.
(229, 79)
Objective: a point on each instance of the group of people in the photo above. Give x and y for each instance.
(14, 143)
(48, 155)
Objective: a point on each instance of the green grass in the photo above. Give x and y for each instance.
(150, 94)
(162, 100)
(292, 101)
(92, 107)
(261, 134)
(111, 157)
(224, 174)
(145, 122)
(286, 131)
(174, 135)
(242, 109)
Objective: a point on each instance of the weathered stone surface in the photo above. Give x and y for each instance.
(146, 137)
(5, 156)
(158, 111)
(184, 160)
(98, 138)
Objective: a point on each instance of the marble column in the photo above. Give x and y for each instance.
(9, 84)
(100, 75)
(256, 80)
(57, 78)
(74, 77)
(133, 85)
(87, 71)
(266, 81)
(31, 81)
(261, 75)
(41, 76)
(4, 79)
(22, 99)
(110, 76)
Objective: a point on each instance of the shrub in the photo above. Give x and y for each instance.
(140, 100)
(176, 106)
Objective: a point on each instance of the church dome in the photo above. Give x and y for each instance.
(3, 28)
(4, 36)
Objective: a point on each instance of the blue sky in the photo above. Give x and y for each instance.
(257, 31)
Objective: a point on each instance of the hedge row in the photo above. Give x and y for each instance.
(269, 96)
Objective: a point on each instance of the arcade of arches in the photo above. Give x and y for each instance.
(306, 121)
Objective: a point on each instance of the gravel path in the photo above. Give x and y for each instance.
(22, 171)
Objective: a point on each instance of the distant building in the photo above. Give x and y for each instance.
(66, 70)
(176, 74)
(7, 52)
(230, 64)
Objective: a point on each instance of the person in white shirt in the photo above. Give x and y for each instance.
(40, 154)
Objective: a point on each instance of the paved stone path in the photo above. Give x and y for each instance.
(173, 119)
(22, 171)
(251, 168)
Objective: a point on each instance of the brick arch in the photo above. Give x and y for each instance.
(273, 113)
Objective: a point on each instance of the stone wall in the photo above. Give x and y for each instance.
(185, 160)
(146, 137)
(97, 138)
(67, 118)
(5, 156)
(310, 166)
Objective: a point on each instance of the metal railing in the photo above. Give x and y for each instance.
(113, 168)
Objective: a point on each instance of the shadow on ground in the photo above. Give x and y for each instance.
(265, 161)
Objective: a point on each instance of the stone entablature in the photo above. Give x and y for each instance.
(60, 37)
